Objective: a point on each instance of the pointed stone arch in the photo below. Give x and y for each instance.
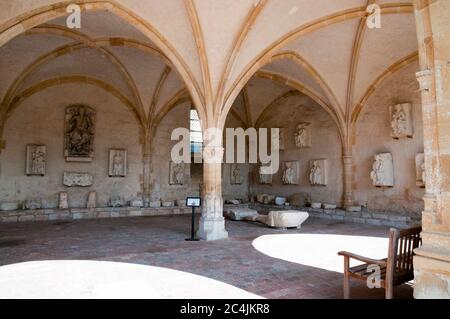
(27, 21)
(262, 58)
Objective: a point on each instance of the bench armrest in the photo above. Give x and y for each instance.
(363, 259)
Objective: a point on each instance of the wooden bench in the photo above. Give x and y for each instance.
(396, 269)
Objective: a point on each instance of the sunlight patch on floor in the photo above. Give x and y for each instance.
(101, 279)
(320, 250)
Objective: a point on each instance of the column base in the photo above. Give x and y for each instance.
(431, 278)
(212, 229)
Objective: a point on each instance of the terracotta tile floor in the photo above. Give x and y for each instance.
(159, 241)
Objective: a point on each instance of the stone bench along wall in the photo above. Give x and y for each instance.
(363, 217)
(84, 213)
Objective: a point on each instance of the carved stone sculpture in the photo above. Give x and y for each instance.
(382, 174)
(420, 170)
(117, 163)
(79, 133)
(92, 200)
(318, 172)
(290, 173)
(32, 204)
(281, 140)
(9, 206)
(155, 204)
(77, 179)
(236, 175)
(176, 173)
(63, 201)
(401, 121)
(36, 160)
(303, 135)
(264, 178)
(136, 202)
(116, 201)
(167, 204)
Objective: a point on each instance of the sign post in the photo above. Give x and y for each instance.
(193, 202)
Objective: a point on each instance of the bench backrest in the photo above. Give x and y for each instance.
(401, 251)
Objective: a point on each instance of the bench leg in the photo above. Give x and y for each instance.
(346, 278)
(389, 291)
(346, 286)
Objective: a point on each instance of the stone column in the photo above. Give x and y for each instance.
(348, 180)
(432, 260)
(147, 170)
(212, 222)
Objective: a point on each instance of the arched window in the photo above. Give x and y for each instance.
(196, 132)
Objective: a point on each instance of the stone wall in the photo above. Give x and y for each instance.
(373, 136)
(177, 117)
(40, 120)
(229, 190)
(326, 144)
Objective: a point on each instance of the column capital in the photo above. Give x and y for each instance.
(425, 79)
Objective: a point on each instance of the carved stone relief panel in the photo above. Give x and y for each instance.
(401, 121)
(318, 172)
(290, 173)
(79, 133)
(303, 135)
(36, 160)
(236, 174)
(382, 174)
(176, 173)
(118, 163)
(77, 179)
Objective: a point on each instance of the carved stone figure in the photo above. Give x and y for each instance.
(92, 200)
(77, 179)
(32, 204)
(236, 176)
(176, 173)
(63, 201)
(420, 170)
(36, 160)
(117, 163)
(281, 139)
(382, 174)
(155, 204)
(79, 133)
(264, 178)
(290, 173)
(136, 202)
(318, 172)
(116, 201)
(401, 121)
(303, 135)
(9, 206)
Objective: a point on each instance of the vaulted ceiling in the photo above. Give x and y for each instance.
(153, 54)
